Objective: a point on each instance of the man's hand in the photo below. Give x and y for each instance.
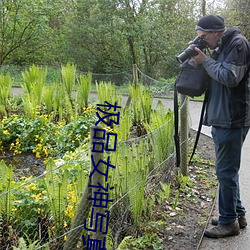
(200, 58)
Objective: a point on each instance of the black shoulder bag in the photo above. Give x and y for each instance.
(191, 81)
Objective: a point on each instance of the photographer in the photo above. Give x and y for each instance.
(228, 112)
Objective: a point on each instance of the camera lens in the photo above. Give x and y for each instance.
(187, 53)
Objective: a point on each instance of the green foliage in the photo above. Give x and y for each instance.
(103, 36)
(22, 245)
(142, 109)
(33, 85)
(184, 181)
(5, 90)
(6, 184)
(68, 74)
(83, 91)
(106, 91)
(147, 241)
(48, 98)
(56, 187)
(30, 206)
(130, 175)
(165, 190)
(124, 127)
(43, 137)
(161, 128)
(49, 197)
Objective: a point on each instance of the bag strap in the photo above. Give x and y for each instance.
(176, 126)
(199, 127)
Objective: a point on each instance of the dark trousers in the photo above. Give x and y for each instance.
(228, 145)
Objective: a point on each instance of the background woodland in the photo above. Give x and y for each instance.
(107, 36)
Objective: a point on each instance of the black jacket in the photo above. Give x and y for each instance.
(229, 90)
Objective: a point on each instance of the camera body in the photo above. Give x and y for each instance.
(190, 51)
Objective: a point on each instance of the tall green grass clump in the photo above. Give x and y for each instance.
(34, 81)
(160, 130)
(5, 90)
(83, 91)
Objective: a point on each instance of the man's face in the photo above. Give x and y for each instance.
(211, 38)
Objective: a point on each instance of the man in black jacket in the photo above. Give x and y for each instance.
(228, 112)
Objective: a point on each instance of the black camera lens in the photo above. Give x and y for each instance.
(187, 53)
(190, 50)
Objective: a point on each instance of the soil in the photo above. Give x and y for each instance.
(187, 222)
(25, 164)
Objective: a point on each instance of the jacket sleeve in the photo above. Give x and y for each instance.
(234, 66)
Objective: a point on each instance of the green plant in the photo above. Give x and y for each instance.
(123, 129)
(48, 98)
(161, 132)
(107, 92)
(43, 137)
(30, 208)
(130, 176)
(165, 190)
(176, 199)
(29, 245)
(34, 81)
(184, 181)
(5, 90)
(83, 91)
(56, 187)
(6, 184)
(142, 109)
(147, 241)
(68, 74)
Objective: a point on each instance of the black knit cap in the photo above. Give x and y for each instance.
(210, 23)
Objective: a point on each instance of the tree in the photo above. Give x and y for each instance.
(20, 22)
(237, 13)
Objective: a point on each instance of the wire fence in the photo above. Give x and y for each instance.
(48, 203)
(158, 87)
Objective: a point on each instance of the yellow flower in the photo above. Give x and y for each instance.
(38, 155)
(69, 211)
(73, 199)
(14, 209)
(6, 132)
(31, 187)
(37, 196)
(17, 152)
(45, 151)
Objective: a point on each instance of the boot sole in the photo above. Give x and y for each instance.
(214, 222)
(207, 234)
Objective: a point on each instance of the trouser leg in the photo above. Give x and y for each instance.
(228, 144)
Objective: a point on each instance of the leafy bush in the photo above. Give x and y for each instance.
(41, 136)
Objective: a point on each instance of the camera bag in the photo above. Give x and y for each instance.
(192, 79)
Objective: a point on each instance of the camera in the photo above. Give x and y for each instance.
(190, 51)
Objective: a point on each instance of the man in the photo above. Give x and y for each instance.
(228, 112)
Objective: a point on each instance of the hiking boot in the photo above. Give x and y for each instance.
(221, 231)
(241, 219)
